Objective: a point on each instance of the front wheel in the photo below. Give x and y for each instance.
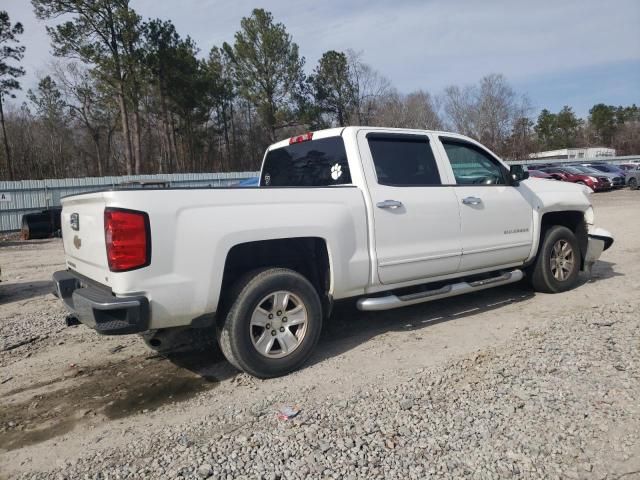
(557, 265)
(273, 322)
(633, 184)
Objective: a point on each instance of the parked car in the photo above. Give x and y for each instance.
(632, 179)
(358, 212)
(616, 180)
(629, 166)
(541, 174)
(619, 174)
(571, 174)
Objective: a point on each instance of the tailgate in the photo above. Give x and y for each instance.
(82, 225)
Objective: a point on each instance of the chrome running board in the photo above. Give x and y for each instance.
(390, 301)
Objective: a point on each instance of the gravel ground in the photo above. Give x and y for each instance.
(500, 384)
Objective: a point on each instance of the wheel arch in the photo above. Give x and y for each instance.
(308, 256)
(574, 220)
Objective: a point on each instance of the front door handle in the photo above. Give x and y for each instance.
(472, 201)
(389, 204)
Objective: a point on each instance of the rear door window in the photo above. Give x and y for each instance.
(315, 163)
(403, 160)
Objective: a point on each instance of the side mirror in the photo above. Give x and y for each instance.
(518, 173)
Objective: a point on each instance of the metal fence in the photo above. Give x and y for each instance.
(27, 196)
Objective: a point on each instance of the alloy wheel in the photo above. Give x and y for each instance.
(562, 260)
(278, 324)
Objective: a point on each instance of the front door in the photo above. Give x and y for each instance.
(416, 218)
(497, 220)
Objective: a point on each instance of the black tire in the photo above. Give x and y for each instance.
(540, 273)
(235, 333)
(633, 183)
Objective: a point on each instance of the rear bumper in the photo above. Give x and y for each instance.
(98, 308)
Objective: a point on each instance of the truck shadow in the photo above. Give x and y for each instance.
(602, 270)
(16, 292)
(348, 327)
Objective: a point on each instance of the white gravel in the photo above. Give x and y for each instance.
(559, 402)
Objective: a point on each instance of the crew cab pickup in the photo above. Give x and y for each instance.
(387, 217)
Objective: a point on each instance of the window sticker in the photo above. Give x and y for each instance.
(336, 171)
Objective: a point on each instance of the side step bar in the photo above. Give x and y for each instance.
(390, 301)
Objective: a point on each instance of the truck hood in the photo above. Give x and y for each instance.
(547, 195)
(541, 185)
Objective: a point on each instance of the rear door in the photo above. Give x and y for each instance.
(496, 218)
(416, 217)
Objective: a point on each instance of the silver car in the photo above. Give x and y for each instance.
(633, 178)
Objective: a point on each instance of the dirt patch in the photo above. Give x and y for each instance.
(38, 412)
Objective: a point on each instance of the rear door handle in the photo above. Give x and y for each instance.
(389, 204)
(472, 201)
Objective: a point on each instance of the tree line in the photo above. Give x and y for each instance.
(129, 95)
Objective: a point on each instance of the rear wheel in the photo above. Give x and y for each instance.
(272, 324)
(557, 265)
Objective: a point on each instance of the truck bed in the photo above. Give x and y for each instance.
(193, 229)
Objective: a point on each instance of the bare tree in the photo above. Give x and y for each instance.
(487, 111)
(416, 110)
(88, 103)
(369, 88)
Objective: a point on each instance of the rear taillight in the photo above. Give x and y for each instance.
(128, 239)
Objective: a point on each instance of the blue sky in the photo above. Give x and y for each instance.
(557, 52)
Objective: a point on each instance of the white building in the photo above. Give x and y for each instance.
(574, 153)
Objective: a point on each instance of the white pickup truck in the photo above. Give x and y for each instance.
(390, 217)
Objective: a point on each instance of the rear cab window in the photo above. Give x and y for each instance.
(313, 163)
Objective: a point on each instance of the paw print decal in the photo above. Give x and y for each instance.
(336, 171)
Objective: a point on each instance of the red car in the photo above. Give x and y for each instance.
(570, 174)
(539, 174)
